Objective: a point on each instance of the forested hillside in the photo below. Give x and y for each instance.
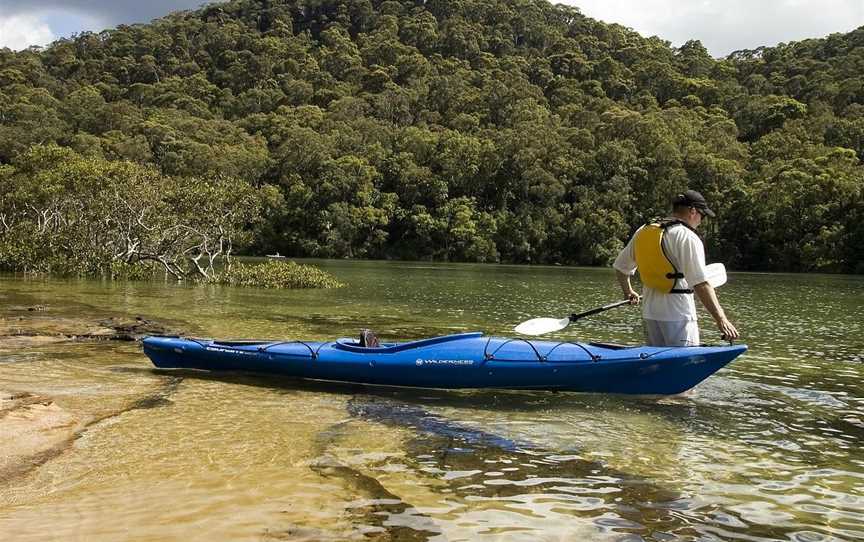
(464, 130)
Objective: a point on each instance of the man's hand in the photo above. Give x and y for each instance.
(727, 329)
(629, 293)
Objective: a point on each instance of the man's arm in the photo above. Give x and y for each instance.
(625, 266)
(705, 292)
(626, 287)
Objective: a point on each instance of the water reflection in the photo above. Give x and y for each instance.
(515, 477)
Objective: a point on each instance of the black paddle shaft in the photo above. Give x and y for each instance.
(604, 308)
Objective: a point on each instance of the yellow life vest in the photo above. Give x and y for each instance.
(655, 268)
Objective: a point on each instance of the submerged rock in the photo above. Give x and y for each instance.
(31, 330)
(126, 329)
(41, 430)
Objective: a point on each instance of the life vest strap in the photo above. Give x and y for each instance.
(669, 222)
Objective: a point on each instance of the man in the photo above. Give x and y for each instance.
(670, 257)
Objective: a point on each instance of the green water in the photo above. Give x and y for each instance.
(767, 449)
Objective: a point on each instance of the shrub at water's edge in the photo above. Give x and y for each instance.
(277, 275)
(62, 213)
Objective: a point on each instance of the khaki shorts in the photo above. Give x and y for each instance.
(676, 333)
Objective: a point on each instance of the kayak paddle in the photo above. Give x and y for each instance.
(715, 273)
(539, 326)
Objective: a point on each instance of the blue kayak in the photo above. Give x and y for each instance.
(467, 360)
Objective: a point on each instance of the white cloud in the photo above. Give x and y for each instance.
(40, 22)
(21, 31)
(724, 26)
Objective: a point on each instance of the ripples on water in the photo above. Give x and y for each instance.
(767, 449)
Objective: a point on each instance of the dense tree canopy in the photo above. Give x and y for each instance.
(472, 130)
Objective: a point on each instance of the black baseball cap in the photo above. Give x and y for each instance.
(692, 198)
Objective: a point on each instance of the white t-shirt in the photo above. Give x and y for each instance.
(687, 253)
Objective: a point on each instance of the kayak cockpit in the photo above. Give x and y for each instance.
(353, 345)
(248, 342)
(611, 346)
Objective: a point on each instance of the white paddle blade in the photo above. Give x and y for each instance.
(716, 274)
(539, 326)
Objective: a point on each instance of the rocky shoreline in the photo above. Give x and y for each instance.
(36, 328)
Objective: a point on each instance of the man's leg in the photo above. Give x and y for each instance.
(677, 333)
(681, 333)
(693, 338)
(654, 333)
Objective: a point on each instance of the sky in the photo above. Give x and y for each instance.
(723, 26)
(39, 22)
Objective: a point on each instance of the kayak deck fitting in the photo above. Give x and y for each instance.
(466, 360)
